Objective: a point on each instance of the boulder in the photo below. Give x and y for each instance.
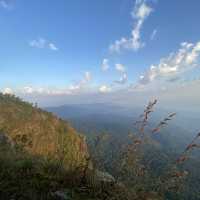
(62, 195)
(104, 177)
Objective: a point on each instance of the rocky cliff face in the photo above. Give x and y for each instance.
(41, 133)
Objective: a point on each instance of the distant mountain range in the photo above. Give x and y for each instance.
(162, 148)
(92, 119)
(46, 153)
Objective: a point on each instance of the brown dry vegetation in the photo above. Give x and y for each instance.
(42, 154)
(41, 133)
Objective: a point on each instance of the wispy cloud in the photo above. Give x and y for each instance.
(105, 64)
(53, 47)
(39, 43)
(123, 79)
(104, 89)
(120, 67)
(185, 59)
(42, 43)
(37, 91)
(8, 91)
(153, 35)
(140, 13)
(5, 4)
(87, 76)
(81, 85)
(29, 90)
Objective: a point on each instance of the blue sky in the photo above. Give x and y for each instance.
(64, 47)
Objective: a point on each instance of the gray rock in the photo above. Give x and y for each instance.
(62, 195)
(6, 140)
(104, 177)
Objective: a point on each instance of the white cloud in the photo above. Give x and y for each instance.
(88, 76)
(28, 90)
(53, 47)
(31, 91)
(105, 66)
(176, 63)
(8, 91)
(104, 89)
(140, 12)
(192, 56)
(41, 43)
(81, 85)
(123, 79)
(74, 87)
(120, 68)
(153, 35)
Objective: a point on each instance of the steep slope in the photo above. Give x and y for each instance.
(43, 157)
(41, 133)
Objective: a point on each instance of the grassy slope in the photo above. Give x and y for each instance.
(48, 156)
(41, 133)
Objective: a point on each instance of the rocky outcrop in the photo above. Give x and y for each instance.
(6, 142)
(62, 195)
(104, 177)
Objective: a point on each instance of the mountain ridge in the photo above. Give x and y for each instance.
(41, 133)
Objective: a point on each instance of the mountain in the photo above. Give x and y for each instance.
(80, 110)
(157, 154)
(50, 158)
(44, 157)
(41, 133)
(40, 154)
(93, 119)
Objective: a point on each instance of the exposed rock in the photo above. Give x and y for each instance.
(104, 177)
(62, 195)
(6, 140)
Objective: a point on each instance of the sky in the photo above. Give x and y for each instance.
(62, 51)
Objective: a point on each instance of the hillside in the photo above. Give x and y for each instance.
(41, 133)
(109, 127)
(40, 154)
(43, 157)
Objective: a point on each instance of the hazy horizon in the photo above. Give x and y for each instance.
(120, 52)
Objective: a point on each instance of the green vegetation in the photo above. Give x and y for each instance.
(43, 157)
(146, 164)
(39, 153)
